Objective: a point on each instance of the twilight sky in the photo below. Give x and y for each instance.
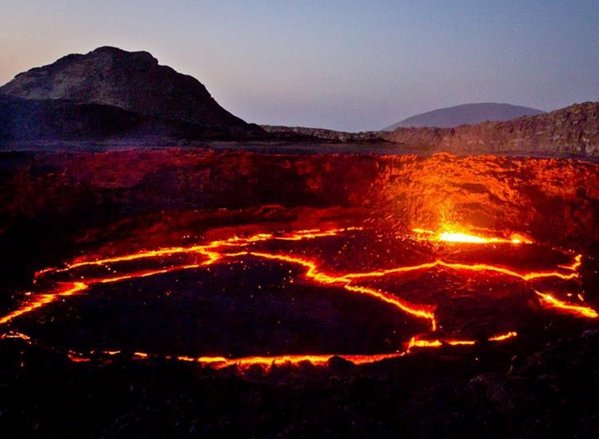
(341, 64)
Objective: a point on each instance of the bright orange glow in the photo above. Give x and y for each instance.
(575, 265)
(502, 337)
(76, 357)
(142, 274)
(211, 250)
(219, 362)
(266, 362)
(451, 235)
(416, 342)
(15, 335)
(467, 267)
(577, 310)
(277, 360)
(62, 290)
(238, 247)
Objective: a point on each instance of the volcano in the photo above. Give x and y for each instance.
(354, 281)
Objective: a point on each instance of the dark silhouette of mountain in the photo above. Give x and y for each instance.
(467, 114)
(131, 81)
(61, 119)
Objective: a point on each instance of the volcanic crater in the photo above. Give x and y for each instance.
(409, 253)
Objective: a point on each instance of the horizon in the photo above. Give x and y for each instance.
(347, 66)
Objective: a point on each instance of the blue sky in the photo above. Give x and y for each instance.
(342, 64)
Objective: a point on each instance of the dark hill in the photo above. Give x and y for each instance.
(132, 81)
(60, 119)
(467, 114)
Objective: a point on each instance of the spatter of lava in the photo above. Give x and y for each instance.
(215, 252)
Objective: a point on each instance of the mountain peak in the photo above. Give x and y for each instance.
(133, 81)
(115, 52)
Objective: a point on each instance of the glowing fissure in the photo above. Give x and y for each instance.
(215, 251)
(577, 310)
(220, 362)
(209, 250)
(467, 267)
(63, 290)
(419, 311)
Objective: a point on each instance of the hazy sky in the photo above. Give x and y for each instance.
(342, 64)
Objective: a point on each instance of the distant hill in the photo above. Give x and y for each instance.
(131, 81)
(573, 130)
(467, 114)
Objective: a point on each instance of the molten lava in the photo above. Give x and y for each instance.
(451, 234)
(580, 311)
(233, 248)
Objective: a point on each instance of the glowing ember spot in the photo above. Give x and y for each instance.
(416, 343)
(76, 357)
(15, 335)
(502, 337)
(577, 310)
(186, 358)
(460, 342)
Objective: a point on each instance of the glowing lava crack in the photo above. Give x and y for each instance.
(236, 247)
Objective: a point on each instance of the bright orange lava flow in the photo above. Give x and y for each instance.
(453, 236)
(215, 251)
(15, 335)
(575, 265)
(505, 336)
(577, 310)
(220, 362)
(210, 250)
(416, 342)
(466, 267)
(63, 290)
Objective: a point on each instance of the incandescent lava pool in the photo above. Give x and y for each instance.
(416, 271)
(306, 295)
(362, 292)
